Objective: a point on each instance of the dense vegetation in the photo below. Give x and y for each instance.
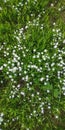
(32, 64)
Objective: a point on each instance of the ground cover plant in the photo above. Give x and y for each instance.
(32, 65)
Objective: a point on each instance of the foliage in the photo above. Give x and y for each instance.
(32, 65)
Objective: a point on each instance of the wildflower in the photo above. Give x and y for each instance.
(1, 120)
(56, 116)
(52, 4)
(2, 114)
(41, 79)
(42, 110)
(34, 111)
(32, 95)
(22, 93)
(59, 9)
(48, 91)
(64, 41)
(0, 8)
(1, 68)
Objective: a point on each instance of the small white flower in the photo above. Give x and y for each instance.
(42, 110)
(64, 93)
(12, 96)
(20, 69)
(32, 95)
(1, 119)
(34, 56)
(30, 83)
(48, 91)
(45, 83)
(26, 27)
(2, 114)
(4, 65)
(0, 8)
(55, 46)
(34, 111)
(39, 98)
(18, 86)
(53, 69)
(54, 23)
(52, 4)
(38, 93)
(1, 68)
(22, 93)
(10, 76)
(53, 30)
(41, 79)
(45, 50)
(49, 107)
(64, 41)
(14, 69)
(59, 9)
(52, 64)
(1, 81)
(56, 116)
(27, 129)
(26, 77)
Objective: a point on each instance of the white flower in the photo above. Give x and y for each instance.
(41, 79)
(1, 81)
(34, 111)
(49, 107)
(37, 56)
(56, 116)
(14, 69)
(38, 93)
(41, 27)
(64, 93)
(53, 30)
(27, 129)
(30, 83)
(42, 110)
(45, 83)
(26, 77)
(48, 91)
(26, 27)
(4, 65)
(45, 50)
(55, 46)
(64, 41)
(1, 68)
(52, 4)
(22, 93)
(25, 72)
(32, 95)
(0, 8)
(1, 119)
(18, 86)
(54, 23)
(12, 96)
(24, 55)
(59, 9)
(34, 56)
(18, 64)
(52, 64)
(39, 98)
(10, 76)
(20, 69)
(2, 114)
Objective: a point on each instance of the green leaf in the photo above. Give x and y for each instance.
(56, 93)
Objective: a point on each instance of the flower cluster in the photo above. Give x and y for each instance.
(32, 66)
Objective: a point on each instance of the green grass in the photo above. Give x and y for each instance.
(32, 65)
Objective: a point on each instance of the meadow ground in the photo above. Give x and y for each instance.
(32, 64)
